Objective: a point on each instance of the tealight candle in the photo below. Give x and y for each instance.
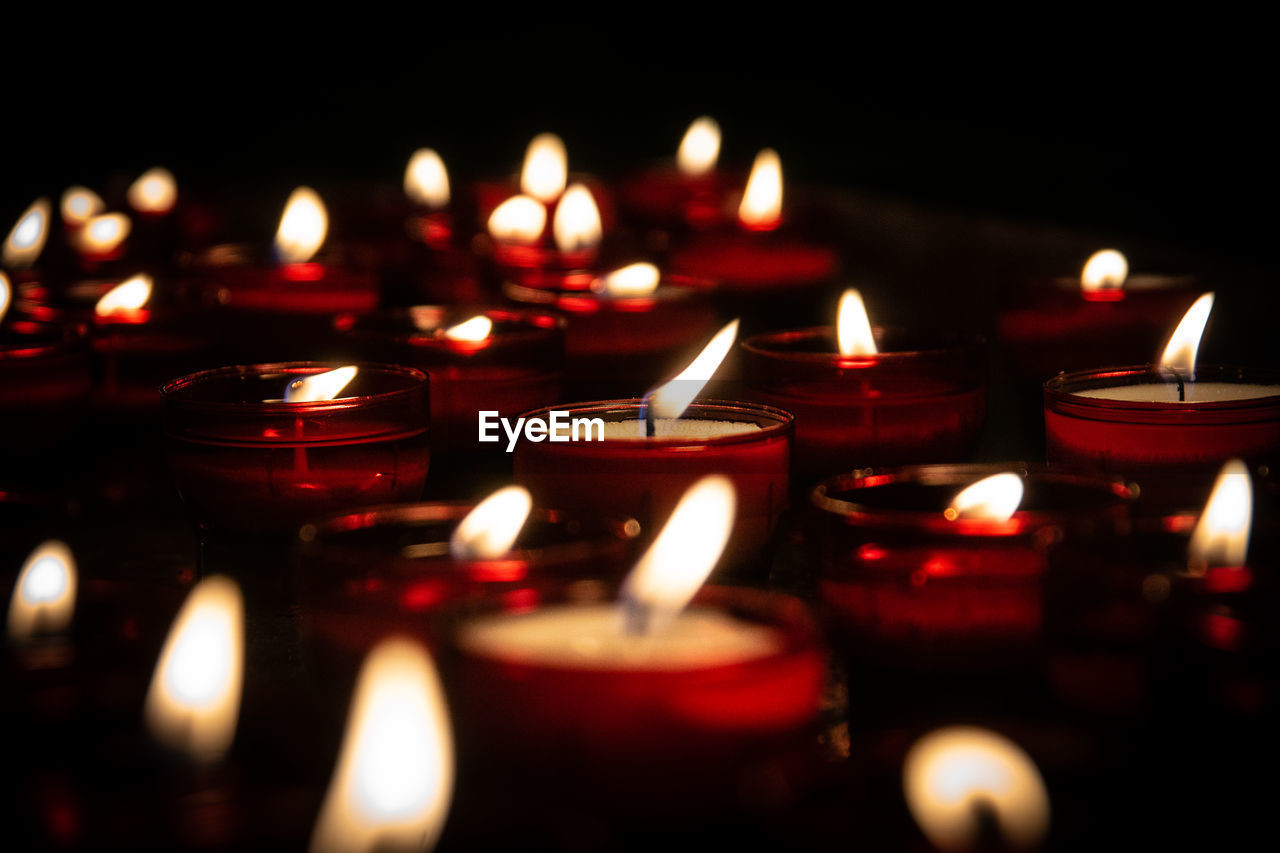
(442, 268)
(689, 192)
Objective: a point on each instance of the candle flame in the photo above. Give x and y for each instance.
(26, 240)
(303, 227)
(155, 191)
(670, 400)
(79, 205)
(475, 329)
(546, 168)
(700, 148)
(632, 280)
(44, 597)
(104, 233)
(1221, 537)
(6, 294)
(1180, 354)
(426, 181)
(194, 700)
(994, 498)
(576, 225)
(853, 329)
(489, 530)
(761, 207)
(1105, 270)
(319, 387)
(951, 775)
(677, 563)
(127, 296)
(519, 219)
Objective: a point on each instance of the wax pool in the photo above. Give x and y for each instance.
(1194, 392)
(676, 428)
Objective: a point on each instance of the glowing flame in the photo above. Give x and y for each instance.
(127, 296)
(994, 498)
(1105, 270)
(6, 294)
(519, 219)
(79, 205)
(194, 699)
(700, 147)
(26, 240)
(670, 400)
(853, 329)
(44, 597)
(679, 560)
(1221, 537)
(104, 233)
(319, 386)
(426, 181)
(632, 280)
(155, 191)
(303, 227)
(761, 206)
(489, 529)
(953, 775)
(475, 329)
(1180, 354)
(546, 168)
(577, 221)
(392, 785)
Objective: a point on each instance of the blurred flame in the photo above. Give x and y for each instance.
(194, 700)
(700, 147)
(393, 782)
(475, 329)
(44, 597)
(425, 179)
(79, 205)
(303, 227)
(994, 498)
(319, 386)
(104, 233)
(1105, 270)
(761, 206)
(1221, 537)
(26, 240)
(155, 191)
(677, 563)
(127, 296)
(1180, 354)
(546, 168)
(6, 294)
(853, 329)
(632, 280)
(952, 773)
(670, 400)
(576, 225)
(519, 219)
(488, 530)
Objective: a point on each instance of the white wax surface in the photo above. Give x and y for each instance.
(677, 428)
(589, 636)
(1197, 392)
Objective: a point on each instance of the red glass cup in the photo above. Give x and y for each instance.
(665, 197)
(244, 464)
(920, 399)
(46, 375)
(1174, 450)
(644, 478)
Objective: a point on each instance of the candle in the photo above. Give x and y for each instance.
(442, 268)
(689, 192)
(78, 206)
(518, 229)
(27, 237)
(866, 398)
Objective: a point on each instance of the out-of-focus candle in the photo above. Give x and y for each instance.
(154, 193)
(44, 597)
(79, 205)
(27, 237)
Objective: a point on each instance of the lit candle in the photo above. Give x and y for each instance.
(692, 191)
(154, 193)
(44, 596)
(27, 237)
(79, 205)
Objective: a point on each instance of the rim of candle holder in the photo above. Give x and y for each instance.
(672, 288)
(1133, 283)
(534, 325)
(781, 422)
(1061, 392)
(957, 476)
(47, 339)
(173, 392)
(952, 342)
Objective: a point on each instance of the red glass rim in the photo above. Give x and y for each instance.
(785, 345)
(176, 392)
(397, 324)
(46, 339)
(777, 422)
(1063, 388)
(672, 287)
(1118, 493)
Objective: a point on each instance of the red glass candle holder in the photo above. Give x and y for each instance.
(46, 375)
(1173, 450)
(920, 399)
(619, 345)
(517, 367)
(666, 197)
(644, 478)
(243, 464)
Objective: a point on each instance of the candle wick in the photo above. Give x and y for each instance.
(636, 616)
(649, 426)
(1182, 388)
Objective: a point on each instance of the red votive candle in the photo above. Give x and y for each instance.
(46, 374)
(514, 367)
(631, 476)
(243, 460)
(919, 399)
(666, 197)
